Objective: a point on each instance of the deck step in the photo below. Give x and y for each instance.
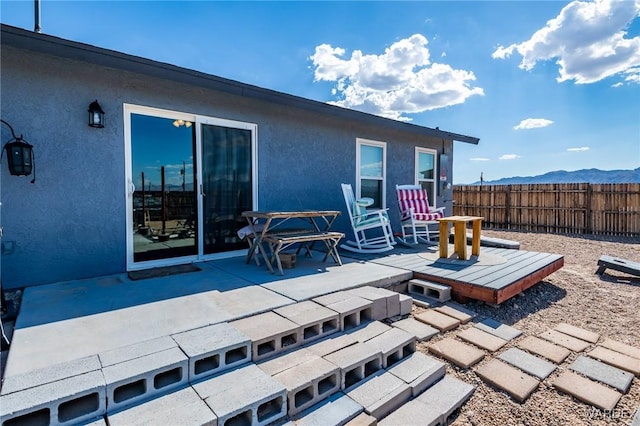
(352, 310)
(440, 292)
(380, 394)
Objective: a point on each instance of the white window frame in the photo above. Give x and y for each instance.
(378, 144)
(433, 198)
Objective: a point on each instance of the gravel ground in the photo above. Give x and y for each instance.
(609, 305)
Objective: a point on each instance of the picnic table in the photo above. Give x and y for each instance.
(271, 232)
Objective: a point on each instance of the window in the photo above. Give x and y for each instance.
(371, 171)
(426, 172)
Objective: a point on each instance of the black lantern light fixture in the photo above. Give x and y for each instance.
(96, 115)
(20, 155)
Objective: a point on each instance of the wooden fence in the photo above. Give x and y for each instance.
(567, 208)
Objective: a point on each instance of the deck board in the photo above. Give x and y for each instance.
(489, 283)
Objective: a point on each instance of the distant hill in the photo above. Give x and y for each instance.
(578, 176)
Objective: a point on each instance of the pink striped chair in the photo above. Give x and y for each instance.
(415, 213)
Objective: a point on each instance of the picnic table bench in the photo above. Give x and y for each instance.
(618, 264)
(279, 242)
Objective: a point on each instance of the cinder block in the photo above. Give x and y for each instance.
(137, 350)
(315, 320)
(440, 292)
(406, 304)
(308, 383)
(413, 412)
(182, 407)
(146, 377)
(246, 395)
(270, 334)
(336, 410)
(395, 344)
(419, 371)
(368, 331)
(356, 363)
(380, 394)
(362, 419)
(352, 310)
(63, 402)
(278, 364)
(446, 396)
(387, 298)
(331, 344)
(213, 349)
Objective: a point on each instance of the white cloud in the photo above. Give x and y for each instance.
(401, 81)
(508, 157)
(479, 159)
(533, 123)
(587, 40)
(579, 149)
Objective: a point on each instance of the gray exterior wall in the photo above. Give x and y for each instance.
(71, 224)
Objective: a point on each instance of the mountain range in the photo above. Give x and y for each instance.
(577, 176)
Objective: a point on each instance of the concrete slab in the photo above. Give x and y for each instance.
(50, 374)
(545, 349)
(413, 413)
(622, 348)
(446, 396)
(246, 395)
(391, 298)
(395, 344)
(331, 344)
(419, 371)
(213, 349)
(362, 419)
(250, 300)
(440, 321)
(276, 365)
(498, 329)
(636, 418)
(461, 354)
(356, 363)
(461, 316)
(587, 390)
(308, 383)
(380, 394)
(482, 339)
(132, 381)
(616, 359)
(602, 372)
(565, 340)
(514, 382)
(182, 407)
(315, 320)
(136, 350)
(334, 411)
(577, 332)
(420, 330)
(406, 304)
(71, 400)
(528, 363)
(368, 331)
(270, 334)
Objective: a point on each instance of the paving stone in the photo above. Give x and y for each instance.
(419, 329)
(276, 365)
(362, 419)
(331, 344)
(577, 332)
(602, 372)
(463, 317)
(368, 331)
(406, 304)
(380, 394)
(356, 363)
(137, 350)
(419, 371)
(587, 390)
(622, 348)
(413, 413)
(528, 363)
(498, 329)
(246, 395)
(440, 321)
(394, 344)
(565, 340)
(482, 339)
(545, 349)
(335, 410)
(459, 353)
(446, 396)
(315, 320)
(270, 334)
(616, 359)
(636, 418)
(183, 407)
(511, 380)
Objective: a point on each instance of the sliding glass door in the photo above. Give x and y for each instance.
(189, 180)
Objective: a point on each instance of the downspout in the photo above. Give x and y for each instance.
(36, 6)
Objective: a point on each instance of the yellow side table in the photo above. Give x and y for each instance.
(460, 235)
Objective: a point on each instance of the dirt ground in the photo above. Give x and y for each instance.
(608, 305)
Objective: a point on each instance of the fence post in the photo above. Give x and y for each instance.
(588, 210)
(507, 206)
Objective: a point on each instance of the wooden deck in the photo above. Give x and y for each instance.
(488, 283)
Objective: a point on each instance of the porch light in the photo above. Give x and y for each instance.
(20, 156)
(96, 115)
(181, 122)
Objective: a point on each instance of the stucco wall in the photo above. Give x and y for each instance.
(70, 224)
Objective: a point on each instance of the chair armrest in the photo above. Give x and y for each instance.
(439, 209)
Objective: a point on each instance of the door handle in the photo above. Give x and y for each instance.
(202, 191)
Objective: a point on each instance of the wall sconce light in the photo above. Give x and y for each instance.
(181, 122)
(20, 155)
(96, 115)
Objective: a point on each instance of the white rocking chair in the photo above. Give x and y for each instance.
(415, 214)
(366, 220)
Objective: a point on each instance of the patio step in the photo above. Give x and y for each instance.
(440, 292)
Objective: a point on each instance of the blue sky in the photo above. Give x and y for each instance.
(545, 85)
